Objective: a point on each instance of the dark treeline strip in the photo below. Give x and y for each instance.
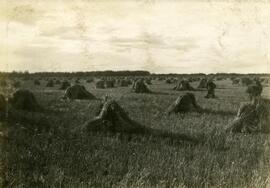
(213, 74)
(121, 73)
(76, 74)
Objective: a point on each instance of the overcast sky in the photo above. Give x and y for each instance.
(155, 35)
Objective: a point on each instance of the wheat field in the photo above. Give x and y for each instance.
(43, 149)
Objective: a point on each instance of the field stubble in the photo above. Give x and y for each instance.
(43, 150)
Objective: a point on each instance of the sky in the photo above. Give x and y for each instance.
(160, 36)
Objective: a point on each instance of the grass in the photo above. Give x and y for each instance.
(44, 150)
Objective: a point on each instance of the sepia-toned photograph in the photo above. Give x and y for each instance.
(135, 93)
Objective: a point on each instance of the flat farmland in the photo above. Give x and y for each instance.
(45, 149)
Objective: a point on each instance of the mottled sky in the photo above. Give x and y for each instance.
(155, 35)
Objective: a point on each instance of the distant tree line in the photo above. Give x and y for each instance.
(179, 75)
(222, 75)
(26, 74)
(75, 74)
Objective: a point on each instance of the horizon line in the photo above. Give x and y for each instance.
(37, 72)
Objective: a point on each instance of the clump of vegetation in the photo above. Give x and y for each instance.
(50, 83)
(235, 81)
(24, 100)
(77, 81)
(113, 118)
(3, 82)
(37, 82)
(140, 87)
(170, 81)
(123, 83)
(16, 84)
(109, 84)
(89, 80)
(148, 81)
(184, 103)
(210, 86)
(57, 82)
(183, 85)
(246, 81)
(65, 84)
(3, 106)
(78, 92)
(100, 84)
(203, 83)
